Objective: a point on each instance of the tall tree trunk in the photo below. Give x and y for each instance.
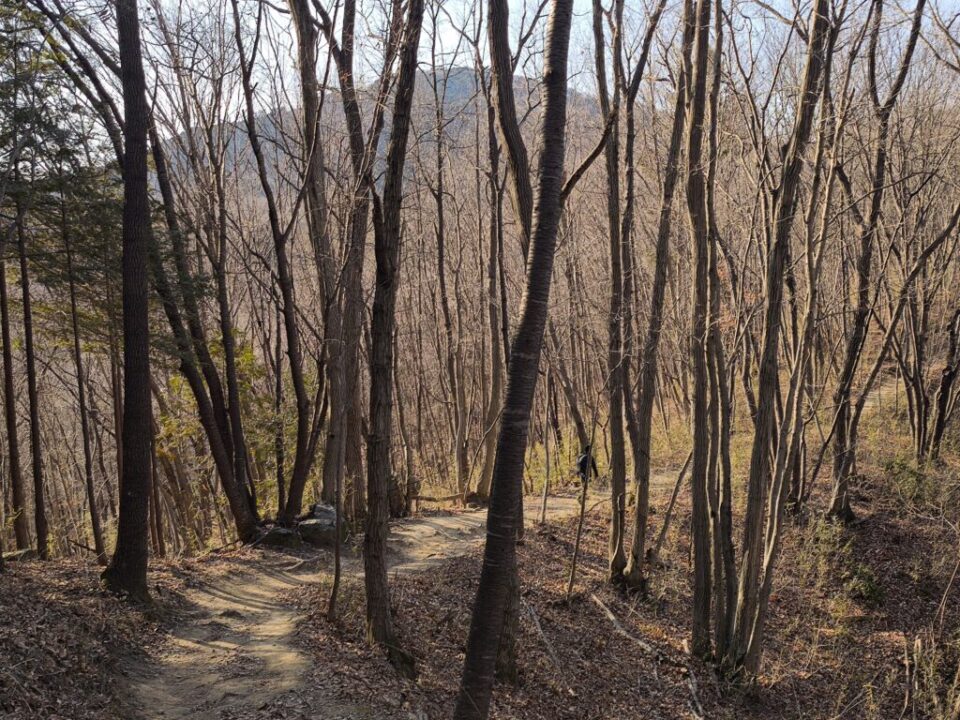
(397, 491)
(410, 489)
(499, 562)
(36, 449)
(387, 250)
(127, 571)
(566, 385)
(697, 212)
(116, 380)
(156, 513)
(278, 438)
(651, 345)
(752, 551)
(616, 560)
(495, 401)
(98, 543)
(21, 523)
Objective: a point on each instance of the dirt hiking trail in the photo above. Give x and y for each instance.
(232, 653)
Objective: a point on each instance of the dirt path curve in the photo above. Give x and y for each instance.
(233, 654)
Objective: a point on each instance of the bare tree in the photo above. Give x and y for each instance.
(127, 571)
(697, 212)
(387, 238)
(842, 458)
(499, 566)
(746, 633)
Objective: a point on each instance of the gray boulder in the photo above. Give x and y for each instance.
(319, 531)
(282, 537)
(321, 511)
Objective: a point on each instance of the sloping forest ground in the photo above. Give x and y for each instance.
(849, 607)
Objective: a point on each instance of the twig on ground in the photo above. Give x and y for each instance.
(550, 650)
(942, 608)
(695, 705)
(300, 563)
(621, 630)
(660, 656)
(224, 547)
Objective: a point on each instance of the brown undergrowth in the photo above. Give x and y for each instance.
(62, 637)
(848, 607)
(848, 603)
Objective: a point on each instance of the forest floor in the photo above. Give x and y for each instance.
(243, 634)
(219, 641)
(232, 649)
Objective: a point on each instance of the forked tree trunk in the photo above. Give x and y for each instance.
(383, 324)
(566, 386)
(752, 551)
(518, 166)
(719, 469)
(343, 454)
(226, 425)
(127, 571)
(495, 401)
(792, 424)
(499, 562)
(327, 266)
(856, 409)
(241, 475)
(452, 360)
(844, 448)
(641, 487)
(196, 364)
(305, 436)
